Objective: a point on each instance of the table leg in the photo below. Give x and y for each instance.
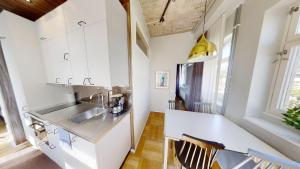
(166, 149)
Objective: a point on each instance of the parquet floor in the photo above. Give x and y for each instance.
(6, 146)
(149, 154)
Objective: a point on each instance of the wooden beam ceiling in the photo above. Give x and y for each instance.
(32, 10)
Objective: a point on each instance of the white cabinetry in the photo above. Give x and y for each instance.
(52, 149)
(54, 46)
(94, 37)
(80, 154)
(115, 145)
(108, 153)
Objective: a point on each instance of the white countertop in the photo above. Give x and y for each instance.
(92, 130)
(215, 128)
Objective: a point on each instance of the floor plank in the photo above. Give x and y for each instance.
(149, 153)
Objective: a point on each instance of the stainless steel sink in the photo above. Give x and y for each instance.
(91, 113)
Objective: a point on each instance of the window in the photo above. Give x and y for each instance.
(223, 70)
(226, 60)
(286, 81)
(182, 79)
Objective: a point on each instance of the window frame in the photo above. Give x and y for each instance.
(282, 77)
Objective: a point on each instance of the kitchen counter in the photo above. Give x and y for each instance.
(92, 130)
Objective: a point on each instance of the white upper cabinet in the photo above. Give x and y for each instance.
(97, 53)
(54, 46)
(52, 24)
(79, 12)
(95, 50)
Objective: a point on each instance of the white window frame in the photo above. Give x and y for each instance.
(284, 65)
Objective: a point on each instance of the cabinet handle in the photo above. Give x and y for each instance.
(81, 22)
(55, 131)
(52, 146)
(2, 37)
(69, 79)
(84, 81)
(73, 139)
(90, 79)
(43, 38)
(57, 80)
(26, 116)
(65, 56)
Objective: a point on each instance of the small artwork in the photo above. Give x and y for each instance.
(162, 80)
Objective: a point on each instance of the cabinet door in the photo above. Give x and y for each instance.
(117, 33)
(78, 56)
(53, 150)
(52, 24)
(50, 61)
(57, 66)
(81, 154)
(79, 10)
(120, 136)
(97, 53)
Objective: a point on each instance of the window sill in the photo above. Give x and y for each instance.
(284, 133)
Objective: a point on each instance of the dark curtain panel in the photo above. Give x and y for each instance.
(10, 102)
(177, 79)
(195, 85)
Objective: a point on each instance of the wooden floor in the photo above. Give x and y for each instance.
(149, 153)
(6, 147)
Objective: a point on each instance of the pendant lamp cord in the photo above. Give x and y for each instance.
(204, 16)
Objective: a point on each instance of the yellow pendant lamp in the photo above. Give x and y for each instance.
(204, 49)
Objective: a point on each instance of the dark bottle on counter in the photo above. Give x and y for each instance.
(77, 99)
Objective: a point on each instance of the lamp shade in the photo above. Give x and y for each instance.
(202, 50)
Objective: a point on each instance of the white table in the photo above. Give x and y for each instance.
(211, 127)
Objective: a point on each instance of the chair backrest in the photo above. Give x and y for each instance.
(202, 107)
(171, 104)
(267, 161)
(194, 153)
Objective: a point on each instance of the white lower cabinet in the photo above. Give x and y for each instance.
(52, 149)
(108, 153)
(113, 148)
(80, 154)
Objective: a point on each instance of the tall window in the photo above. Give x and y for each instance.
(226, 60)
(223, 70)
(286, 81)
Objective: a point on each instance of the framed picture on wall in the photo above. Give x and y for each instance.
(161, 80)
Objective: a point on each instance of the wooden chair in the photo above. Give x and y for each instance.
(171, 104)
(202, 107)
(194, 153)
(267, 161)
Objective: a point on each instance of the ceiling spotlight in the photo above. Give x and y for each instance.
(29, 1)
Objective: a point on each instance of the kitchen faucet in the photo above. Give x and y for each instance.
(100, 97)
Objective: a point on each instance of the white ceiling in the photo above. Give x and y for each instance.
(181, 16)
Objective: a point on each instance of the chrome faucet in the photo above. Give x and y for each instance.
(100, 104)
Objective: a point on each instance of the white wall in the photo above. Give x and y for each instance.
(140, 73)
(258, 41)
(26, 67)
(166, 53)
(245, 54)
